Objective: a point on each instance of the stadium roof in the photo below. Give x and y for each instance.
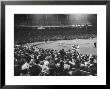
(54, 20)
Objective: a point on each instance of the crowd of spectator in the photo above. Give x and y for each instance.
(34, 61)
(24, 35)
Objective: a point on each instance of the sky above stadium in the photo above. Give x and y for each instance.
(54, 19)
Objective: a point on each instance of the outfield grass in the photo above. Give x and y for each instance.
(86, 45)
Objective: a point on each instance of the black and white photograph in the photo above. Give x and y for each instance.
(55, 44)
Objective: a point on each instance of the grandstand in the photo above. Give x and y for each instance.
(43, 45)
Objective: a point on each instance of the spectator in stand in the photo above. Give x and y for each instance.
(34, 61)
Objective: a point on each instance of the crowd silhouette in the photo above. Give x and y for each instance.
(34, 61)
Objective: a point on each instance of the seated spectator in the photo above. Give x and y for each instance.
(17, 70)
(33, 61)
(35, 70)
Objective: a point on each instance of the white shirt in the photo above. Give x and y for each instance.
(66, 66)
(25, 66)
(45, 69)
(46, 63)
